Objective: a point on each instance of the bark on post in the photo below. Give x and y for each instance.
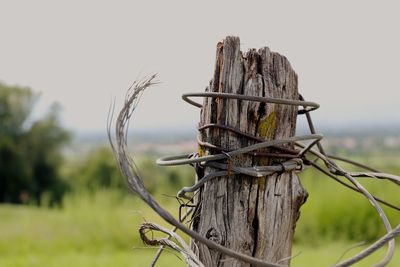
(254, 216)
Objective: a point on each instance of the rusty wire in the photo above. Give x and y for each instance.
(296, 159)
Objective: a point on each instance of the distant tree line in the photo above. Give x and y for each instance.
(30, 150)
(32, 166)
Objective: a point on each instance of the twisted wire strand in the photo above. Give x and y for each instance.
(296, 160)
(135, 182)
(327, 173)
(190, 258)
(308, 106)
(335, 178)
(333, 168)
(372, 248)
(161, 248)
(184, 159)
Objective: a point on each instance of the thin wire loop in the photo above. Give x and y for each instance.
(184, 159)
(308, 106)
(333, 168)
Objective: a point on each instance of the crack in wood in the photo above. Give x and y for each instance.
(253, 213)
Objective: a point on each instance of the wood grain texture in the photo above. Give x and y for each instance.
(254, 216)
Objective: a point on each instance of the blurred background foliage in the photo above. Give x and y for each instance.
(30, 151)
(77, 207)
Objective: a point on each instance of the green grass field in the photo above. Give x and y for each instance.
(100, 229)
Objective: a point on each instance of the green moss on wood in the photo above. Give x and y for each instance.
(267, 126)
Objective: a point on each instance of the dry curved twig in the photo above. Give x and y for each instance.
(188, 255)
(161, 248)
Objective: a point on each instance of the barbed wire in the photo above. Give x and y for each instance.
(297, 159)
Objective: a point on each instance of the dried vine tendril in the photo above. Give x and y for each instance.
(296, 160)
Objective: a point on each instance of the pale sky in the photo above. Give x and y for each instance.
(83, 53)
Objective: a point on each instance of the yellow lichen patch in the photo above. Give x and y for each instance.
(267, 126)
(200, 150)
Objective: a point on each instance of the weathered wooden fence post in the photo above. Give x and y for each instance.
(254, 216)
